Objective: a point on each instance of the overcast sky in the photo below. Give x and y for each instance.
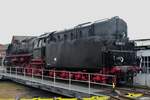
(33, 17)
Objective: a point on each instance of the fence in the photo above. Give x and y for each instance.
(54, 75)
(145, 64)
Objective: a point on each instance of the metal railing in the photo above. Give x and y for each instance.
(53, 75)
(145, 69)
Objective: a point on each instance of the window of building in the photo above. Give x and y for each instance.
(44, 42)
(80, 34)
(35, 44)
(65, 36)
(71, 36)
(52, 38)
(58, 37)
(40, 43)
(90, 32)
(76, 36)
(48, 40)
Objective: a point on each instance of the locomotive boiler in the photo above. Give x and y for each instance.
(91, 45)
(95, 47)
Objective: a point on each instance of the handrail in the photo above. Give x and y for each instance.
(31, 72)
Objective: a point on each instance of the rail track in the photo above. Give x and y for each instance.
(131, 94)
(126, 93)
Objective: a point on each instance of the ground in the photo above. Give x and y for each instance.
(12, 90)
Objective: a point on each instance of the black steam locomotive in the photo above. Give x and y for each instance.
(99, 47)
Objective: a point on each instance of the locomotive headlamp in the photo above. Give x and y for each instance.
(55, 59)
(121, 59)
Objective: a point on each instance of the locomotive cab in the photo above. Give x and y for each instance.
(38, 59)
(39, 47)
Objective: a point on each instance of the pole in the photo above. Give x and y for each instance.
(113, 86)
(147, 65)
(16, 71)
(42, 75)
(69, 81)
(3, 62)
(32, 74)
(24, 72)
(146, 70)
(10, 71)
(5, 70)
(89, 84)
(141, 63)
(54, 77)
(144, 61)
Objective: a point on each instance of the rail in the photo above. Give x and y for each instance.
(70, 80)
(41, 80)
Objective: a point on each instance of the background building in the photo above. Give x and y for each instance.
(2, 52)
(143, 52)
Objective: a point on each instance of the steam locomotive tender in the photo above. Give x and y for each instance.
(99, 47)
